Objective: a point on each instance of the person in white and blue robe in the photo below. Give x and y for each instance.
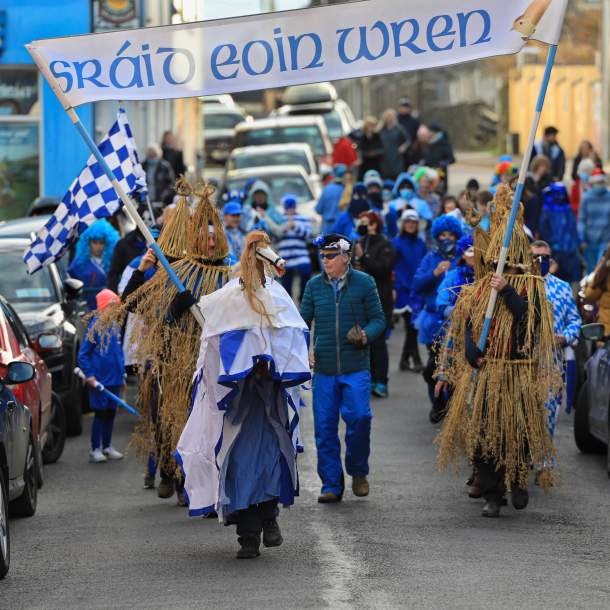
(238, 450)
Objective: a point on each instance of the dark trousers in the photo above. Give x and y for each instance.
(250, 520)
(491, 480)
(410, 348)
(302, 271)
(380, 360)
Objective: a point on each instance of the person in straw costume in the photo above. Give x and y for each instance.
(239, 447)
(167, 341)
(496, 415)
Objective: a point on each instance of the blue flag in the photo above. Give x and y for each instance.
(91, 196)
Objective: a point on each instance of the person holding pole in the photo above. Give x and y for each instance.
(101, 360)
(497, 415)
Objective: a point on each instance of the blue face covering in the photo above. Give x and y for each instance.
(600, 189)
(446, 247)
(407, 194)
(545, 266)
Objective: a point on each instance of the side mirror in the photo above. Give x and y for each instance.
(18, 372)
(48, 342)
(593, 332)
(72, 288)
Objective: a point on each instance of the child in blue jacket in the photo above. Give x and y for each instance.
(103, 361)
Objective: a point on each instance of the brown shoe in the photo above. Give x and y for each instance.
(360, 486)
(166, 488)
(329, 498)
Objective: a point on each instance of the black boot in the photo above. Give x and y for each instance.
(519, 497)
(249, 547)
(272, 536)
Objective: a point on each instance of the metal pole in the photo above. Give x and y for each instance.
(527, 153)
(128, 205)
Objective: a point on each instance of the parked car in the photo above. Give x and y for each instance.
(592, 417)
(43, 206)
(281, 179)
(319, 99)
(48, 419)
(274, 154)
(47, 304)
(219, 131)
(18, 472)
(287, 130)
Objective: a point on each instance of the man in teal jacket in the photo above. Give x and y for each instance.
(348, 316)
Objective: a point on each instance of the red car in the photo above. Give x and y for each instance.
(48, 421)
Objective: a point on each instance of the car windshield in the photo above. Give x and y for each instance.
(310, 134)
(279, 157)
(17, 286)
(333, 124)
(280, 185)
(222, 121)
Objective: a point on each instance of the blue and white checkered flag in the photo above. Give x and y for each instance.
(91, 196)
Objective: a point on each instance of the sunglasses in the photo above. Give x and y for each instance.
(330, 257)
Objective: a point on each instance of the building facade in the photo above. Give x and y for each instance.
(40, 151)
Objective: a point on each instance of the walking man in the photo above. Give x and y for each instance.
(345, 306)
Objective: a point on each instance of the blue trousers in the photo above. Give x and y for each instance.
(348, 396)
(593, 254)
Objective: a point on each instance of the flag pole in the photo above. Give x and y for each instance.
(550, 60)
(130, 209)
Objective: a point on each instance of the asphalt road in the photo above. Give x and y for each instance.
(99, 540)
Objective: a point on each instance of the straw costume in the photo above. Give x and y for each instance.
(240, 444)
(502, 429)
(169, 345)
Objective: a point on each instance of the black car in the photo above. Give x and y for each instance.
(592, 418)
(18, 472)
(47, 302)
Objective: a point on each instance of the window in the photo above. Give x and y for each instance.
(19, 140)
(310, 134)
(17, 328)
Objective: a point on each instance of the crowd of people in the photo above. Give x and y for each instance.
(392, 247)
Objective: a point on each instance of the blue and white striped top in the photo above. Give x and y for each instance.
(292, 246)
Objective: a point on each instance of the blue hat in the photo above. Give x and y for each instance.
(447, 223)
(233, 208)
(339, 170)
(359, 191)
(333, 241)
(289, 201)
(388, 185)
(463, 244)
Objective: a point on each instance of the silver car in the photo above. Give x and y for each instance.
(281, 179)
(287, 130)
(274, 154)
(592, 418)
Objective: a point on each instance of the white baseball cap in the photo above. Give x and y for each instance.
(409, 214)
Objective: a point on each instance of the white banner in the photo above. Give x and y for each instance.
(293, 47)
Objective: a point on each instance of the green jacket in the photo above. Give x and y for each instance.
(357, 303)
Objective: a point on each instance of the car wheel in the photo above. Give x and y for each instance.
(56, 437)
(73, 408)
(25, 504)
(585, 441)
(5, 538)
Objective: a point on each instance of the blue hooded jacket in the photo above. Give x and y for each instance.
(328, 205)
(410, 251)
(94, 275)
(398, 205)
(247, 213)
